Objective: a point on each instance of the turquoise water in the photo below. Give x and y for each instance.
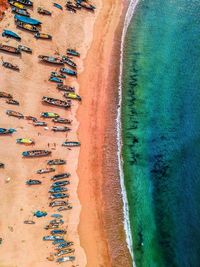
(161, 132)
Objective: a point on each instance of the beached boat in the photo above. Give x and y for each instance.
(10, 49)
(52, 238)
(58, 189)
(26, 26)
(72, 52)
(68, 207)
(11, 34)
(65, 245)
(71, 144)
(43, 11)
(57, 75)
(64, 252)
(40, 213)
(16, 4)
(56, 102)
(33, 182)
(60, 221)
(25, 2)
(62, 120)
(68, 72)
(59, 196)
(25, 141)
(58, 231)
(36, 153)
(60, 176)
(7, 131)
(27, 20)
(51, 226)
(25, 49)
(70, 95)
(69, 62)
(58, 203)
(5, 95)
(31, 118)
(55, 80)
(60, 183)
(56, 162)
(12, 102)
(49, 115)
(20, 11)
(29, 222)
(2, 165)
(60, 129)
(86, 5)
(71, 7)
(40, 123)
(8, 65)
(53, 60)
(65, 259)
(47, 170)
(58, 6)
(15, 114)
(65, 88)
(39, 35)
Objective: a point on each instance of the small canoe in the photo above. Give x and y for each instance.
(59, 196)
(12, 102)
(26, 26)
(56, 102)
(36, 153)
(62, 120)
(33, 182)
(60, 129)
(58, 189)
(25, 141)
(25, 2)
(56, 80)
(15, 114)
(56, 162)
(65, 88)
(58, 203)
(58, 231)
(68, 72)
(10, 49)
(60, 176)
(29, 222)
(60, 183)
(25, 48)
(20, 11)
(11, 34)
(40, 35)
(65, 245)
(86, 5)
(7, 131)
(8, 65)
(69, 62)
(53, 60)
(40, 123)
(57, 75)
(27, 20)
(58, 6)
(65, 259)
(70, 95)
(72, 52)
(5, 95)
(43, 11)
(49, 115)
(68, 207)
(71, 7)
(71, 144)
(17, 5)
(47, 170)
(64, 252)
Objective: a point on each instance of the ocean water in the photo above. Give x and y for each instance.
(161, 132)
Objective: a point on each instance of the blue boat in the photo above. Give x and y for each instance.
(55, 79)
(27, 20)
(58, 6)
(7, 131)
(68, 72)
(55, 215)
(11, 34)
(40, 214)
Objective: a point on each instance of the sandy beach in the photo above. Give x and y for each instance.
(95, 224)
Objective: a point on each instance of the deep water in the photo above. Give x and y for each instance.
(161, 132)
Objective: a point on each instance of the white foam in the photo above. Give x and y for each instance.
(129, 15)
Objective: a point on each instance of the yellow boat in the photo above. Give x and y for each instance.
(26, 26)
(18, 5)
(72, 96)
(25, 141)
(49, 115)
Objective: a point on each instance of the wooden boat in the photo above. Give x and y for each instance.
(60, 176)
(56, 80)
(56, 102)
(56, 162)
(29, 222)
(69, 62)
(31, 118)
(40, 123)
(58, 231)
(25, 2)
(5, 95)
(58, 196)
(33, 182)
(72, 52)
(36, 153)
(70, 95)
(25, 141)
(58, 6)
(71, 144)
(43, 11)
(12, 102)
(65, 88)
(65, 245)
(6, 131)
(85, 5)
(68, 207)
(60, 129)
(16, 4)
(57, 75)
(49, 115)
(15, 114)
(60, 183)
(71, 7)
(25, 49)
(26, 26)
(40, 35)
(10, 49)
(68, 72)
(10, 66)
(20, 11)
(58, 189)
(65, 259)
(47, 170)
(58, 203)
(53, 60)
(64, 252)
(62, 120)
(2, 165)
(11, 34)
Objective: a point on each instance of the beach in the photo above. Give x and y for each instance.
(95, 223)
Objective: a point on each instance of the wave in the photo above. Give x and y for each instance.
(128, 17)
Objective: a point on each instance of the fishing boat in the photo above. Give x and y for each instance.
(57, 75)
(25, 49)
(25, 2)
(12, 102)
(11, 34)
(40, 35)
(43, 11)
(69, 62)
(36, 153)
(64, 252)
(58, 189)
(59, 195)
(56, 162)
(71, 144)
(60, 221)
(2, 165)
(10, 49)
(51, 226)
(5, 95)
(58, 231)
(58, 6)
(16, 4)
(72, 52)
(65, 88)
(68, 207)
(86, 5)
(15, 114)
(40, 123)
(47, 170)
(33, 182)
(60, 176)
(60, 183)
(26, 26)
(56, 80)
(49, 115)
(7, 131)
(53, 60)
(29, 222)
(8, 65)
(65, 245)
(31, 118)
(70, 7)
(27, 20)
(40, 213)
(68, 72)
(56, 102)
(20, 11)
(65, 259)
(70, 95)
(25, 141)
(60, 129)
(62, 120)
(51, 238)
(58, 203)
